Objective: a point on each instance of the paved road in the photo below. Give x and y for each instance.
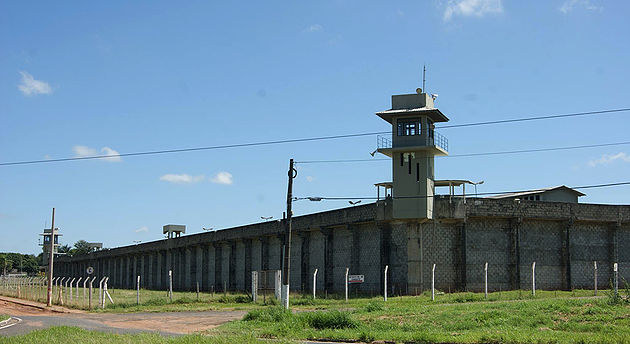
(171, 323)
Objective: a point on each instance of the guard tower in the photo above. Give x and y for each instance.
(412, 146)
(46, 244)
(173, 231)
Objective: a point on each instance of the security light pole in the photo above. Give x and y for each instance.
(287, 239)
(50, 260)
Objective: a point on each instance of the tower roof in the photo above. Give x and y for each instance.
(434, 114)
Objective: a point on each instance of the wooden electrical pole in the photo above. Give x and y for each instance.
(287, 239)
(50, 260)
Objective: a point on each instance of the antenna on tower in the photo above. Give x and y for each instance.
(424, 74)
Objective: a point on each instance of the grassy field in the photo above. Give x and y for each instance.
(157, 301)
(75, 335)
(404, 320)
(506, 317)
(4, 317)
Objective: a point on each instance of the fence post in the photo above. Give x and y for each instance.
(138, 292)
(433, 283)
(277, 284)
(347, 269)
(79, 281)
(485, 280)
(385, 283)
(197, 291)
(90, 295)
(616, 277)
(84, 283)
(170, 285)
(595, 276)
(254, 286)
(534, 279)
(314, 283)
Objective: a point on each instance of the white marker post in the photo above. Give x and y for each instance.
(616, 277)
(433, 283)
(534, 279)
(170, 285)
(100, 288)
(138, 291)
(84, 283)
(485, 280)
(314, 283)
(385, 283)
(254, 286)
(595, 276)
(347, 269)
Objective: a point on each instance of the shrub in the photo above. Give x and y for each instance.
(271, 314)
(329, 320)
(374, 306)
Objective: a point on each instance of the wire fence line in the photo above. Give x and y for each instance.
(81, 292)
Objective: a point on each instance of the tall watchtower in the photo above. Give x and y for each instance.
(412, 147)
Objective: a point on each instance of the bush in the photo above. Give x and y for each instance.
(329, 320)
(272, 314)
(374, 306)
(234, 299)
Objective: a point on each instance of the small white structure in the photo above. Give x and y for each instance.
(174, 231)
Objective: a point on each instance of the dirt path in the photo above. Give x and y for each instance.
(35, 316)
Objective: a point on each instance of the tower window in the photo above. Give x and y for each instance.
(408, 127)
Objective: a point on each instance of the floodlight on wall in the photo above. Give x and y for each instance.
(354, 202)
(266, 218)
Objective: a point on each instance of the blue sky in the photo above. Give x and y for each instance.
(84, 78)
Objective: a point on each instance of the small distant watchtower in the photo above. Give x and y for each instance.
(412, 146)
(173, 231)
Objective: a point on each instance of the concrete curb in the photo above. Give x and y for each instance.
(4, 322)
(30, 304)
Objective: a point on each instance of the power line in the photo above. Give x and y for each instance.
(524, 119)
(480, 193)
(478, 154)
(319, 138)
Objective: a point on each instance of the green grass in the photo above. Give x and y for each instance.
(405, 320)
(4, 317)
(75, 335)
(157, 301)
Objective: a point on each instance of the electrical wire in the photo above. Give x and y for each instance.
(320, 138)
(535, 150)
(480, 193)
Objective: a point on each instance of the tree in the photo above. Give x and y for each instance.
(64, 249)
(82, 247)
(5, 263)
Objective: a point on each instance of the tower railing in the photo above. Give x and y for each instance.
(435, 139)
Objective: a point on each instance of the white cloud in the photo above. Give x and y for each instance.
(29, 86)
(142, 229)
(470, 8)
(113, 155)
(85, 151)
(182, 178)
(568, 6)
(314, 28)
(608, 158)
(310, 179)
(222, 178)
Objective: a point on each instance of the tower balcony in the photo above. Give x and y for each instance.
(435, 144)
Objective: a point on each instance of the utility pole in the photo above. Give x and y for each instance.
(287, 239)
(50, 260)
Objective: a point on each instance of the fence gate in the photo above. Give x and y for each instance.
(268, 284)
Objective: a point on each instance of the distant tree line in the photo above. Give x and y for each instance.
(17, 262)
(29, 263)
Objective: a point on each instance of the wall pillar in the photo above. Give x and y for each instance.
(514, 265)
(248, 264)
(218, 266)
(461, 258)
(566, 255)
(329, 253)
(198, 267)
(188, 269)
(305, 260)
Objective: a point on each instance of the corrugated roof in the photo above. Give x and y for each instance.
(536, 191)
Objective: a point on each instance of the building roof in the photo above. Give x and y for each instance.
(435, 114)
(453, 182)
(536, 191)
